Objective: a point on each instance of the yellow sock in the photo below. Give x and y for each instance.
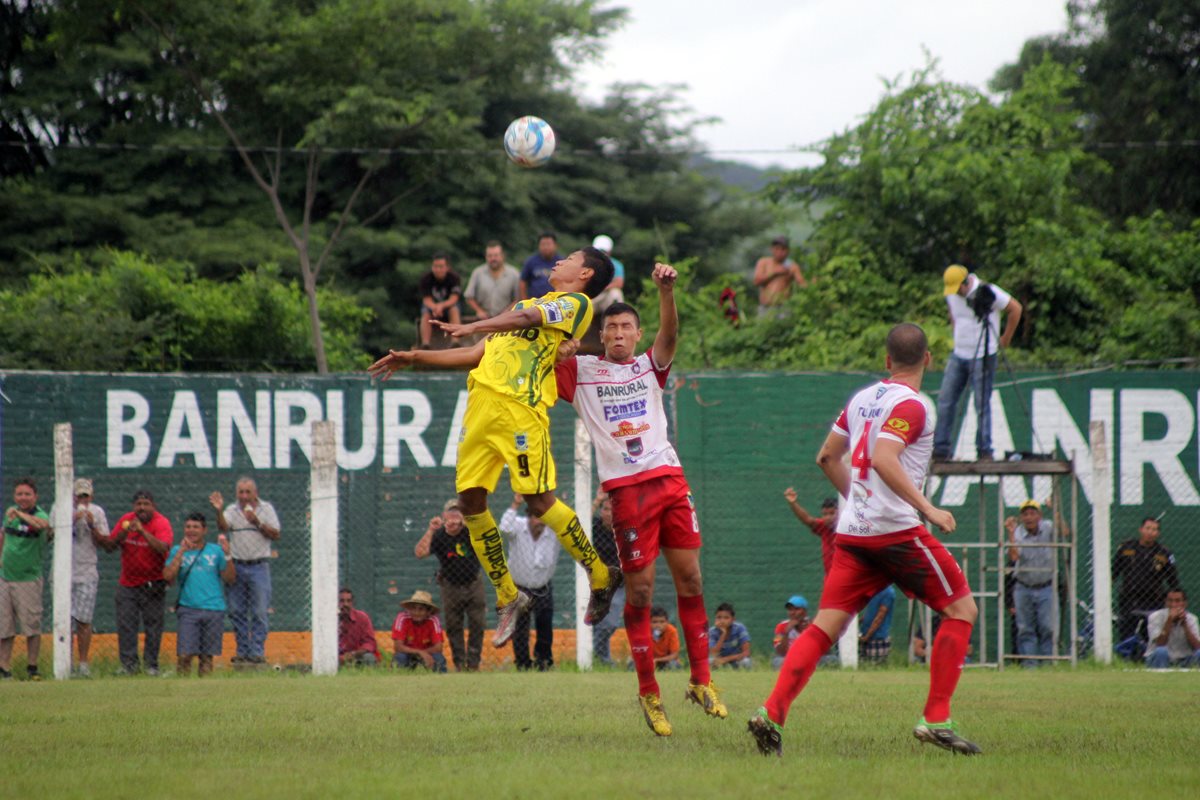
(485, 540)
(563, 521)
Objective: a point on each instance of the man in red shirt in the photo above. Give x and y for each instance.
(356, 634)
(417, 634)
(145, 538)
(822, 526)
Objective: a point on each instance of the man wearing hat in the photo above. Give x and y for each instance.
(417, 634)
(614, 292)
(461, 582)
(1033, 579)
(787, 631)
(975, 309)
(89, 528)
(775, 274)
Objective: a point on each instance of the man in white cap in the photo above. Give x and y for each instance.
(613, 293)
(89, 528)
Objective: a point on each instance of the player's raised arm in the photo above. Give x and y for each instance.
(458, 357)
(665, 340)
(886, 462)
(513, 320)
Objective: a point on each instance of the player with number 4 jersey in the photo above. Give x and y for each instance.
(506, 423)
(619, 397)
(887, 430)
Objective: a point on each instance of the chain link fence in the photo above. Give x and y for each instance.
(743, 438)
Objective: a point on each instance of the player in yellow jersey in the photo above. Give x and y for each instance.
(509, 392)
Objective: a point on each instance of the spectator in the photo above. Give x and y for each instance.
(975, 309)
(440, 290)
(253, 527)
(145, 537)
(1146, 570)
(532, 559)
(356, 635)
(787, 630)
(417, 634)
(461, 583)
(666, 640)
(614, 292)
(728, 640)
(1033, 579)
(1174, 635)
(89, 528)
(26, 527)
(774, 276)
(494, 285)
(822, 526)
(200, 609)
(535, 275)
(875, 641)
(605, 543)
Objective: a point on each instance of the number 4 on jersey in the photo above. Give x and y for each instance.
(860, 459)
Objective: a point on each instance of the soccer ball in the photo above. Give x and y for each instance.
(529, 141)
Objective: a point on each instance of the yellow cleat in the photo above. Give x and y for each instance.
(707, 697)
(656, 718)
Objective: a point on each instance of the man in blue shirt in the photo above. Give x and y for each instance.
(535, 275)
(200, 568)
(875, 642)
(728, 640)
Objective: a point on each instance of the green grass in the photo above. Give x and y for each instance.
(1091, 733)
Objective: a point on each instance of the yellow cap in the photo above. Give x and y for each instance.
(954, 275)
(1031, 504)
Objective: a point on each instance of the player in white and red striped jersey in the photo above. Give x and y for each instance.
(887, 430)
(619, 397)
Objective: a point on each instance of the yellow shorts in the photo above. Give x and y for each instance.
(499, 431)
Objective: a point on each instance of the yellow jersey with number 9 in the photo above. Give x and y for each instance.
(520, 364)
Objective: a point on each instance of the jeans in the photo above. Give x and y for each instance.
(541, 613)
(249, 599)
(980, 372)
(412, 661)
(1160, 658)
(1035, 621)
(138, 607)
(603, 630)
(457, 602)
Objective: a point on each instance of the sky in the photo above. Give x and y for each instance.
(788, 73)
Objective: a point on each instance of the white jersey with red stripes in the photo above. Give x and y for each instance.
(622, 407)
(893, 411)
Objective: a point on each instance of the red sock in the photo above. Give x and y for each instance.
(945, 666)
(641, 641)
(797, 668)
(693, 627)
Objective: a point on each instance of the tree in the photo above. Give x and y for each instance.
(1139, 99)
(119, 311)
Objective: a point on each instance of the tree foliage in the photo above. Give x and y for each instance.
(1138, 98)
(121, 312)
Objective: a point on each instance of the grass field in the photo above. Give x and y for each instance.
(1091, 733)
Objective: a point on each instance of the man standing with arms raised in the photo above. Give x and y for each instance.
(880, 540)
(619, 397)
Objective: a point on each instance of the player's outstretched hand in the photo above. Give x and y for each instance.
(455, 331)
(394, 360)
(664, 276)
(789, 494)
(943, 519)
(567, 349)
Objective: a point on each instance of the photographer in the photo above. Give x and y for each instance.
(975, 309)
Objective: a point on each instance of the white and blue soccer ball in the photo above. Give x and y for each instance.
(529, 141)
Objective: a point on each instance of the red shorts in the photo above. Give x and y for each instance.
(645, 515)
(912, 559)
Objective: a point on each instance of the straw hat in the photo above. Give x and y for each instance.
(421, 598)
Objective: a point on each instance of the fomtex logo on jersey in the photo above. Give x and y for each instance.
(634, 408)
